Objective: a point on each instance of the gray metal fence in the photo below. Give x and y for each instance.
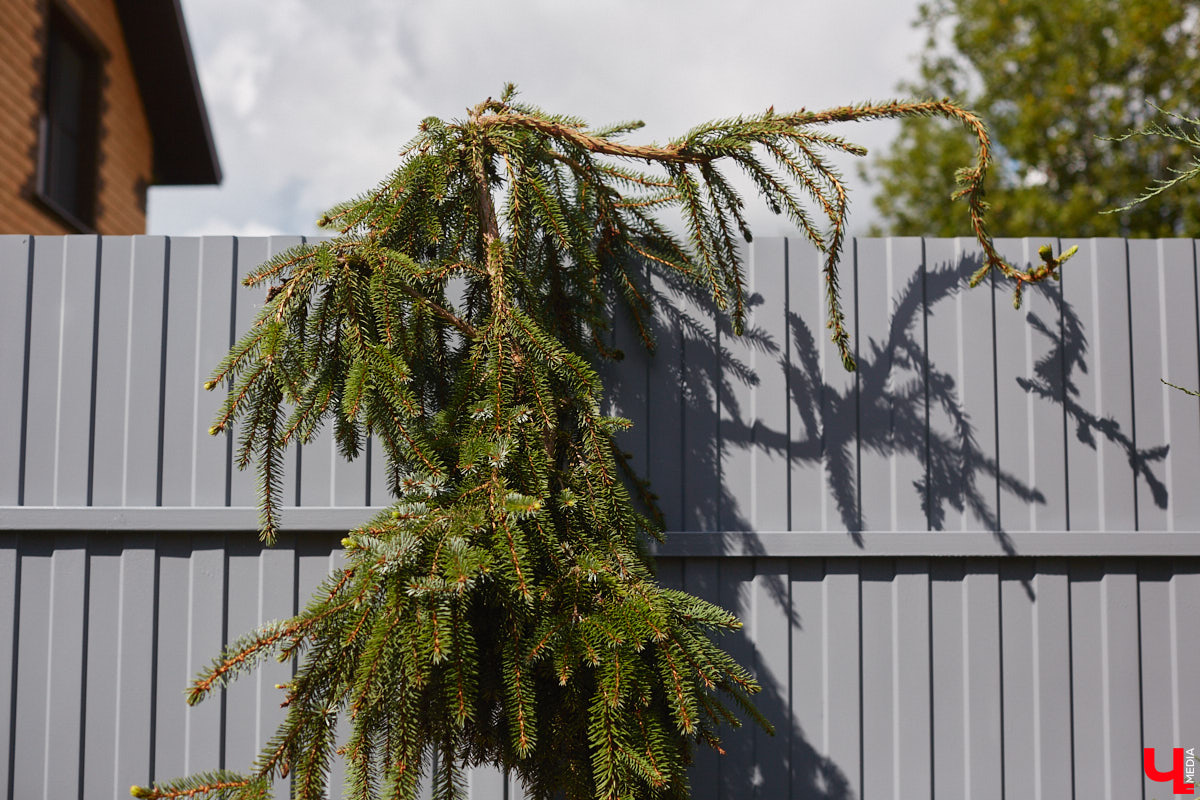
(972, 568)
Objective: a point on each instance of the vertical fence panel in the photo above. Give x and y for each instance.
(1163, 307)
(1029, 393)
(377, 474)
(1018, 676)
(173, 672)
(1182, 367)
(1036, 680)
(65, 665)
(906, 344)
(249, 254)
(880, 700)
(947, 623)
(318, 461)
(9, 588)
(807, 743)
(214, 312)
(738, 768)
(966, 680)
(1098, 399)
(876, 288)
(1053, 760)
(840, 502)
(702, 577)
(1148, 322)
(1105, 650)
(771, 638)
(151, 269)
(962, 438)
(737, 400)
(180, 387)
(485, 783)
(664, 406)
(808, 419)
(982, 691)
(112, 385)
(29, 756)
(896, 679)
(700, 463)
(135, 671)
(45, 346)
(14, 315)
(293, 459)
(1159, 672)
(129, 357)
(348, 481)
(74, 407)
(1122, 677)
(243, 612)
(120, 669)
(1087, 683)
(103, 667)
(951, 436)
(913, 678)
(843, 670)
(207, 601)
(261, 589)
(1185, 611)
(891, 392)
(766, 329)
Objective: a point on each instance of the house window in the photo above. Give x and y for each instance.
(69, 130)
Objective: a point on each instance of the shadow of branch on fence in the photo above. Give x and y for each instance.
(754, 763)
(1055, 381)
(901, 405)
(883, 412)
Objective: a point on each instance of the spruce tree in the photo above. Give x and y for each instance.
(503, 610)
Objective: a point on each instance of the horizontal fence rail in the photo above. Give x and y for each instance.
(971, 568)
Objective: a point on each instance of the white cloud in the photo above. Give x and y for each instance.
(233, 75)
(310, 102)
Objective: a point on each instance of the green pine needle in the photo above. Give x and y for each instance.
(504, 610)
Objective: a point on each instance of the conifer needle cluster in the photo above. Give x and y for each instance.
(503, 610)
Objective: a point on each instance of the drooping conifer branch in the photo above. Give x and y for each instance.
(503, 610)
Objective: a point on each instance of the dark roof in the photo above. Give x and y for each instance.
(161, 53)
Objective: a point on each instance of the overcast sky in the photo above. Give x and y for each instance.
(310, 101)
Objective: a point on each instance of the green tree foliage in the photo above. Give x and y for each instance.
(1186, 131)
(1178, 128)
(1053, 80)
(504, 609)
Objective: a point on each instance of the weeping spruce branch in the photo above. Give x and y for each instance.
(503, 610)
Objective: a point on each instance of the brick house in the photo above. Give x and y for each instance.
(99, 100)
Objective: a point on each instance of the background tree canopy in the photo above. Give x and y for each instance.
(1053, 80)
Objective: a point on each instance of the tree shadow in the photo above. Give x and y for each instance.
(888, 409)
(884, 411)
(754, 763)
(1054, 381)
(689, 391)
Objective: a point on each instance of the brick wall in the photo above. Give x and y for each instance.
(126, 147)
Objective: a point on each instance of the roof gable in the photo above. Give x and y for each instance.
(161, 53)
